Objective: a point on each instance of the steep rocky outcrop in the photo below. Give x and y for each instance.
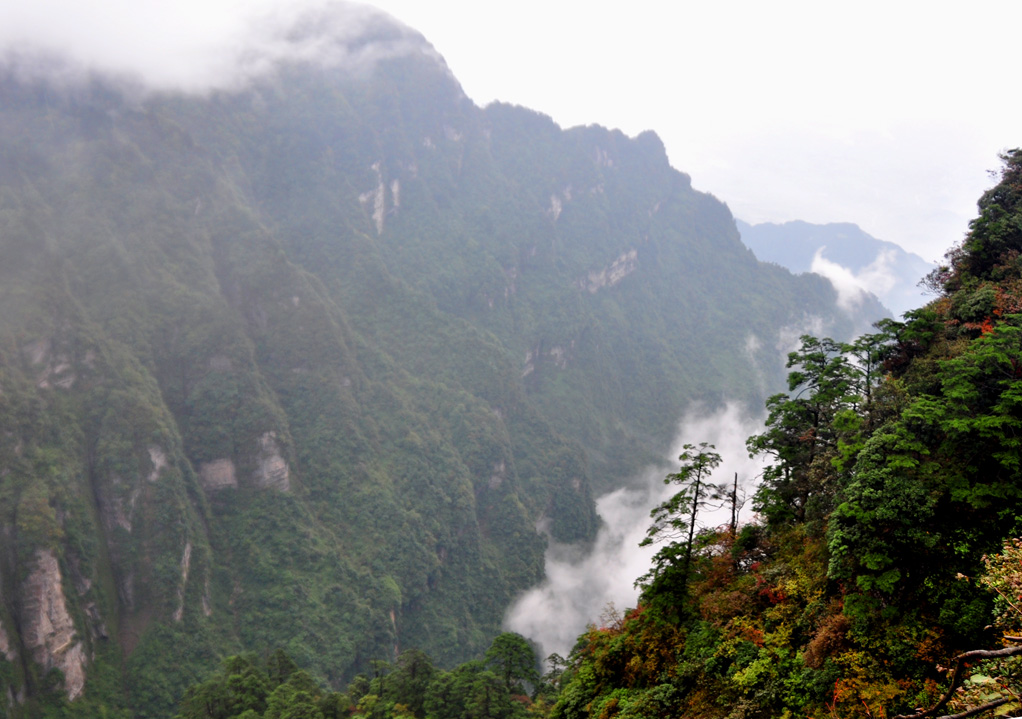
(271, 470)
(48, 630)
(218, 474)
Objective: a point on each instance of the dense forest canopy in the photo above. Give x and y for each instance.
(306, 363)
(882, 577)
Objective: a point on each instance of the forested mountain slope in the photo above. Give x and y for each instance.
(885, 575)
(305, 362)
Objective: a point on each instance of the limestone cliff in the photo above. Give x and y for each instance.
(48, 631)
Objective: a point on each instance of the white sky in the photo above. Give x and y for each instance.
(886, 114)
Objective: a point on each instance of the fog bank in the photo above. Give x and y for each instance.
(223, 46)
(581, 583)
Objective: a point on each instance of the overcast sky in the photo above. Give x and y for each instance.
(888, 115)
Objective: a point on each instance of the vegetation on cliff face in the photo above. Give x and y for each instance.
(497, 687)
(305, 363)
(883, 578)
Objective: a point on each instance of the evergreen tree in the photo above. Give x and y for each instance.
(674, 526)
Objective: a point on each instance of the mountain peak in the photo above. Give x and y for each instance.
(336, 35)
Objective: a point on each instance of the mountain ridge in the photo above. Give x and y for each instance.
(883, 268)
(305, 363)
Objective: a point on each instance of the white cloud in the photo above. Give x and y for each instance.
(579, 584)
(181, 46)
(789, 337)
(878, 276)
(853, 288)
(850, 293)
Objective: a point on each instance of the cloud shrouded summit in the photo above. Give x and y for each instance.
(167, 47)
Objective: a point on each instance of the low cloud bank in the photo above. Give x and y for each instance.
(879, 278)
(581, 583)
(191, 48)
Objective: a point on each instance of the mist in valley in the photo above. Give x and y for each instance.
(585, 584)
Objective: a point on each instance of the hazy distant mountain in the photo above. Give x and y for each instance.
(846, 255)
(305, 363)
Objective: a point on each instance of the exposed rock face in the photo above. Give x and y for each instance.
(5, 645)
(271, 469)
(116, 508)
(558, 355)
(186, 564)
(218, 474)
(56, 368)
(37, 352)
(499, 473)
(207, 601)
(603, 158)
(159, 460)
(556, 206)
(48, 630)
(395, 193)
(620, 268)
(376, 199)
(530, 363)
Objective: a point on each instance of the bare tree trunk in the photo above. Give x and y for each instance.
(692, 524)
(734, 508)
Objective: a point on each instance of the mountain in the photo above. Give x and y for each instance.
(883, 575)
(318, 360)
(841, 251)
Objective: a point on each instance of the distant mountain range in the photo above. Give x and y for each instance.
(852, 259)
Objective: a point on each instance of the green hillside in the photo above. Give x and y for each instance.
(885, 577)
(304, 364)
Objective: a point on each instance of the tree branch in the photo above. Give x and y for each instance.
(980, 709)
(956, 680)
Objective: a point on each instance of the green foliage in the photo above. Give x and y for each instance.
(514, 660)
(471, 691)
(895, 470)
(994, 242)
(674, 522)
(303, 364)
(885, 525)
(243, 689)
(809, 431)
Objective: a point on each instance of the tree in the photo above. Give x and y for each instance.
(801, 434)
(293, 700)
(992, 247)
(470, 691)
(676, 518)
(280, 667)
(869, 354)
(512, 657)
(408, 683)
(238, 686)
(982, 680)
(883, 529)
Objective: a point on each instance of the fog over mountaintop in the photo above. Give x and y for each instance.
(848, 136)
(220, 53)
